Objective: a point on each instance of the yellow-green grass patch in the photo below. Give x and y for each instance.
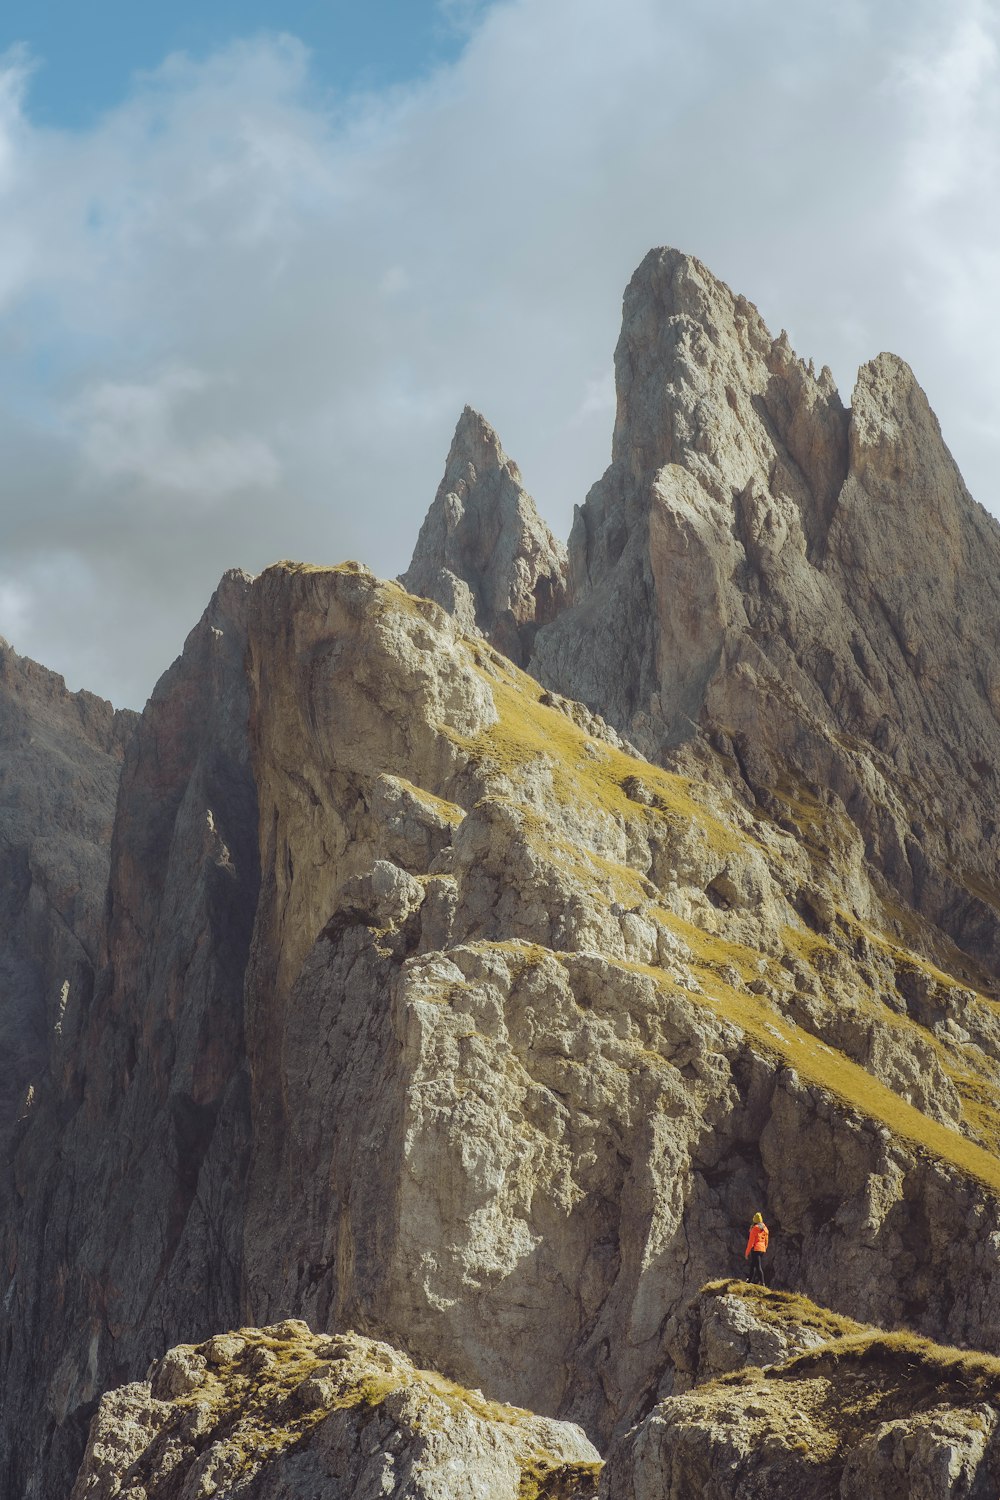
(449, 811)
(820, 1064)
(783, 1308)
(583, 768)
(980, 1102)
(974, 1373)
(816, 1062)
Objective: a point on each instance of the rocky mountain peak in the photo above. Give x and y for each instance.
(702, 383)
(760, 567)
(427, 1006)
(476, 445)
(484, 552)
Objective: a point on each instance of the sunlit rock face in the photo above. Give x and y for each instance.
(439, 1005)
(827, 1407)
(529, 1060)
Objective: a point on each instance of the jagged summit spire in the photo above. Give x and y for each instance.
(483, 552)
(703, 383)
(763, 568)
(476, 438)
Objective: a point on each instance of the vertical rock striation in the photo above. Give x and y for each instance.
(60, 760)
(123, 1223)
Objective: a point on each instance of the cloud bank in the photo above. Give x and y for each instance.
(239, 317)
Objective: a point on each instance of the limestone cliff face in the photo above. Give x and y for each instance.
(810, 588)
(60, 760)
(122, 1210)
(483, 552)
(526, 1029)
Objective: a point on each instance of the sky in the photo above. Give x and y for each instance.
(255, 258)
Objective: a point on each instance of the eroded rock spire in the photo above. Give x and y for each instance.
(484, 553)
(808, 587)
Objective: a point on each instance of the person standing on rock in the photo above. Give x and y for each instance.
(756, 1246)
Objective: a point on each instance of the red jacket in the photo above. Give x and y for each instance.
(757, 1240)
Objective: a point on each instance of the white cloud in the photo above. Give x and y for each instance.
(134, 431)
(15, 73)
(949, 89)
(598, 400)
(238, 302)
(15, 605)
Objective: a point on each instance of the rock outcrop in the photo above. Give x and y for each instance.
(484, 553)
(865, 1415)
(281, 1414)
(734, 1325)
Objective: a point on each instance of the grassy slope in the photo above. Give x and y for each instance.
(591, 774)
(599, 780)
(823, 1402)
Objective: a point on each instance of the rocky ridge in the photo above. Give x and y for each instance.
(283, 1414)
(856, 1415)
(428, 1007)
(807, 587)
(789, 1399)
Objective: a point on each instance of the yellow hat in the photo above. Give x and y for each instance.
(758, 1219)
